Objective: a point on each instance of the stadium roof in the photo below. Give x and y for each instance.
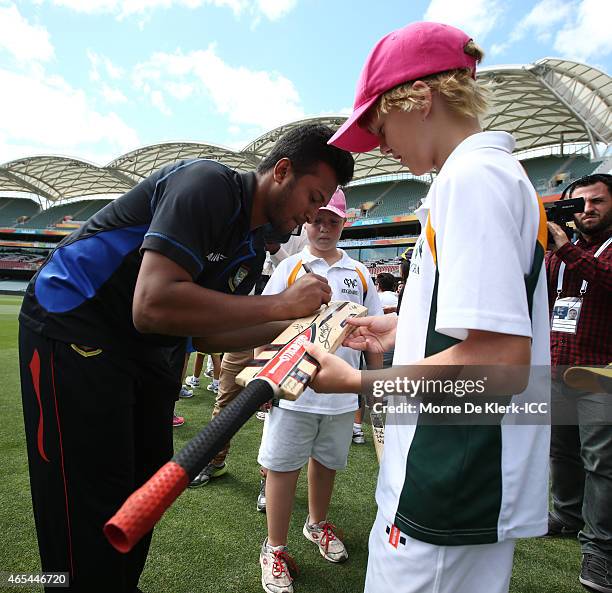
(549, 102)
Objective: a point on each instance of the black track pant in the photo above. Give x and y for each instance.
(97, 426)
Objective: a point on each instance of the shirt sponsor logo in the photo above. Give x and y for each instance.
(351, 286)
(238, 277)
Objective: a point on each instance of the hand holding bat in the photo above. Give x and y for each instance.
(334, 375)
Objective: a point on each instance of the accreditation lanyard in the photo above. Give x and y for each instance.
(566, 311)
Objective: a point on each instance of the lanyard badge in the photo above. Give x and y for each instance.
(566, 311)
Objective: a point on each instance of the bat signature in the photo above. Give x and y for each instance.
(324, 332)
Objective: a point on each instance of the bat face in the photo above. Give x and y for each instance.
(285, 364)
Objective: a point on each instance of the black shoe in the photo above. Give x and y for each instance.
(207, 474)
(558, 529)
(596, 573)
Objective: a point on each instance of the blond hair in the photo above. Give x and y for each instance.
(459, 90)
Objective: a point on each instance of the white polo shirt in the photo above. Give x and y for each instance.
(481, 222)
(346, 278)
(388, 298)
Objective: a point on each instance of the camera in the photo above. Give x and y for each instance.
(562, 211)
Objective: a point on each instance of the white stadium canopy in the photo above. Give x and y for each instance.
(550, 102)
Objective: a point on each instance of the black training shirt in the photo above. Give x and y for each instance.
(197, 213)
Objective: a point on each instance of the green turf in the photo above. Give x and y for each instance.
(209, 540)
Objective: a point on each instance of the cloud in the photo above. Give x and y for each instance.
(543, 17)
(538, 24)
(587, 35)
(498, 48)
(580, 29)
(477, 17)
(47, 115)
(24, 41)
(275, 9)
(98, 62)
(158, 101)
(112, 96)
(271, 9)
(246, 97)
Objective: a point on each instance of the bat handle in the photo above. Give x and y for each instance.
(143, 509)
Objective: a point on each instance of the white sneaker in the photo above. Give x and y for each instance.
(358, 437)
(214, 387)
(276, 565)
(185, 392)
(324, 535)
(192, 381)
(260, 415)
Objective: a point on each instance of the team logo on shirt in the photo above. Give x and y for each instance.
(238, 277)
(351, 286)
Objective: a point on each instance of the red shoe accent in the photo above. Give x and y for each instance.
(282, 559)
(329, 534)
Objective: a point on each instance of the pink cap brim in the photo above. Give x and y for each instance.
(334, 210)
(353, 138)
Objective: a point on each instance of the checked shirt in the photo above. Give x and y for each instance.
(591, 344)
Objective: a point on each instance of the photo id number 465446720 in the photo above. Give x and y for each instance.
(25, 579)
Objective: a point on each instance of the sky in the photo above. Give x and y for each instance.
(94, 79)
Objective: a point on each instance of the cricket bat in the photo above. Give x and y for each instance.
(378, 432)
(278, 364)
(284, 369)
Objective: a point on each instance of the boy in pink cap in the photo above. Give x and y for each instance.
(316, 429)
(452, 499)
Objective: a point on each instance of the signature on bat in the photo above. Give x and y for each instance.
(324, 332)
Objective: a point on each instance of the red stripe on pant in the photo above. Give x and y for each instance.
(35, 372)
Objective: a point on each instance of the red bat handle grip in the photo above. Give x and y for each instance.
(143, 509)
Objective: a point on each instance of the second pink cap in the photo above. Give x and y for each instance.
(337, 204)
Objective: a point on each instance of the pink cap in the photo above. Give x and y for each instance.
(337, 204)
(416, 51)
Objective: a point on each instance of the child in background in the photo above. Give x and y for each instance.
(315, 429)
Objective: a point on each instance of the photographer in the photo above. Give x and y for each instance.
(580, 286)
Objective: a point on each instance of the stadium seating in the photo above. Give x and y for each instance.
(390, 199)
(81, 210)
(12, 208)
(403, 198)
(541, 169)
(359, 194)
(93, 207)
(552, 174)
(580, 167)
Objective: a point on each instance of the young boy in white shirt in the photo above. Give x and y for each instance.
(315, 428)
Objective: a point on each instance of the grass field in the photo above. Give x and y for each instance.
(209, 540)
